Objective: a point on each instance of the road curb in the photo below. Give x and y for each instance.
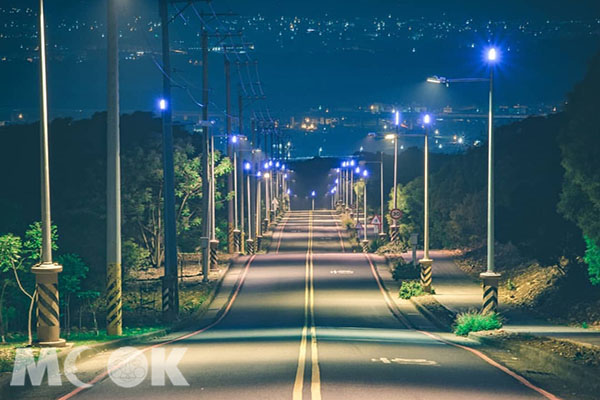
(423, 309)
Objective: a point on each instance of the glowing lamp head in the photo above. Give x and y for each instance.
(285, 176)
(247, 166)
(492, 54)
(282, 167)
(344, 164)
(352, 163)
(267, 175)
(357, 170)
(337, 181)
(365, 173)
(289, 191)
(258, 174)
(427, 119)
(313, 193)
(266, 165)
(397, 118)
(270, 163)
(234, 139)
(277, 164)
(162, 104)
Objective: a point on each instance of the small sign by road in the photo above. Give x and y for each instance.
(396, 214)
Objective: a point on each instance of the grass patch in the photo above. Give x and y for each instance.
(410, 289)
(475, 321)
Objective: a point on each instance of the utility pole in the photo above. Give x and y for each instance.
(46, 273)
(170, 289)
(230, 202)
(114, 318)
(205, 162)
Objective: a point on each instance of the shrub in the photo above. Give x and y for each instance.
(475, 321)
(410, 289)
(404, 271)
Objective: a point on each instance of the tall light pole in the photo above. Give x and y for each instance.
(426, 262)
(490, 277)
(46, 273)
(114, 319)
(237, 234)
(258, 225)
(249, 241)
(394, 137)
(365, 241)
(312, 197)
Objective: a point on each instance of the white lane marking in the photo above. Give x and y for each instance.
(341, 272)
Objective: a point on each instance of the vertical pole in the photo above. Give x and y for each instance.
(395, 173)
(490, 277)
(213, 220)
(170, 287)
(235, 188)
(114, 320)
(381, 194)
(426, 262)
(267, 198)
(365, 210)
(230, 186)
(46, 273)
(205, 162)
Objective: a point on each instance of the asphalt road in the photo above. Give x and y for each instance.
(312, 322)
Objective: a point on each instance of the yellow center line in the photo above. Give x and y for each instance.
(309, 306)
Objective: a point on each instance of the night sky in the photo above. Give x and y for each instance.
(301, 73)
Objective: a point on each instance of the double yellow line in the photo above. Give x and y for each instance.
(309, 325)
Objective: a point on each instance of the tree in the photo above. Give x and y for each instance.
(18, 256)
(74, 272)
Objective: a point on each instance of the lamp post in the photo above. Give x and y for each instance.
(249, 241)
(237, 244)
(426, 262)
(258, 223)
(365, 241)
(46, 273)
(394, 137)
(312, 197)
(490, 277)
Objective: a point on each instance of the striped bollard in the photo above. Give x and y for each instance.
(365, 246)
(426, 264)
(490, 292)
(393, 233)
(114, 316)
(214, 260)
(230, 239)
(250, 246)
(257, 244)
(265, 225)
(237, 241)
(48, 317)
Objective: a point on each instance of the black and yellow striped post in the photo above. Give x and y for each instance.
(230, 239)
(242, 242)
(257, 244)
(237, 241)
(490, 292)
(426, 269)
(250, 247)
(48, 317)
(114, 319)
(365, 246)
(265, 225)
(214, 258)
(393, 233)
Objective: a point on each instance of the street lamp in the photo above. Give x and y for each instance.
(394, 137)
(249, 241)
(237, 233)
(46, 273)
(312, 195)
(426, 262)
(490, 277)
(365, 241)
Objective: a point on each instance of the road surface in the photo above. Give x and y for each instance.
(311, 321)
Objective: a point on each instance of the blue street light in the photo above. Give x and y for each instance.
(270, 163)
(266, 165)
(397, 118)
(492, 54)
(258, 174)
(247, 166)
(365, 173)
(162, 104)
(427, 119)
(313, 193)
(277, 164)
(357, 170)
(352, 163)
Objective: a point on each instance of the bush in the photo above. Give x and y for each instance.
(411, 289)
(592, 259)
(393, 248)
(475, 321)
(404, 271)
